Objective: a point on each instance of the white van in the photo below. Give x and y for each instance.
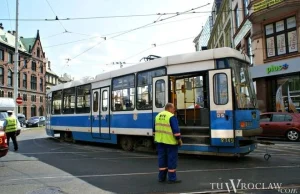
(7, 104)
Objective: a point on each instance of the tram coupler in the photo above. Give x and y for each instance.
(267, 156)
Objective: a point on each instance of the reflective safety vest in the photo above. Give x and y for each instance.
(163, 130)
(11, 124)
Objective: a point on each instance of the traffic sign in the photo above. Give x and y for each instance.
(19, 100)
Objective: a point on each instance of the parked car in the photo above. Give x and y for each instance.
(280, 124)
(22, 120)
(36, 121)
(3, 140)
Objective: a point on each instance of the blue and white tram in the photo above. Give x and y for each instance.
(212, 91)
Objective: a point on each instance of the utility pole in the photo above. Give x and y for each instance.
(16, 58)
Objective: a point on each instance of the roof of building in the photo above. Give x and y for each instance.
(65, 79)
(28, 42)
(9, 40)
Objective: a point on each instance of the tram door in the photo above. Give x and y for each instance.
(104, 113)
(221, 107)
(159, 94)
(95, 117)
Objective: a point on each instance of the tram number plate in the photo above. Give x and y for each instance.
(227, 140)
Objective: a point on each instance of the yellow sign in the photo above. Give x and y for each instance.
(264, 4)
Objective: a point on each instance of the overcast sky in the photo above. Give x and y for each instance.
(121, 48)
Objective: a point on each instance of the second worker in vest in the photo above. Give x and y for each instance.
(10, 128)
(168, 138)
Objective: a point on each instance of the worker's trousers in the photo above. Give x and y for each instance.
(167, 161)
(12, 135)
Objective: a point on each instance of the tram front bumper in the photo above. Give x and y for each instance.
(252, 132)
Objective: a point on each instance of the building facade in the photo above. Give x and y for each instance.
(221, 33)
(31, 72)
(52, 78)
(275, 38)
(201, 40)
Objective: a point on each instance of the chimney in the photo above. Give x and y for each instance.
(14, 33)
(1, 26)
(49, 65)
(29, 48)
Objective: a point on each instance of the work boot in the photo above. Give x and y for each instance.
(174, 182)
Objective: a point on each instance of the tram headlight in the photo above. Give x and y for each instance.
(244, 124)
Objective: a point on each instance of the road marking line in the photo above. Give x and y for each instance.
(147, 173)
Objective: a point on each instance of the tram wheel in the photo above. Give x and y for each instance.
(126, 143)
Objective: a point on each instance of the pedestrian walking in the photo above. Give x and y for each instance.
(168, 138)
(10, 127)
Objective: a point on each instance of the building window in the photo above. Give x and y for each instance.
(9, 78)
(33, 111)
(33, 66)
(41, 99)
(25, 97)
(246, 11)
(25, 63)
(25, 111)
(249, 49)
(237, 17)
(41, 111)
(281, 37)
(1, 75)
(123, 93)
(24, 80)
(33, 98)
(19, 109)
(1, 93)
(41, 68)
(9, 94)
(144, 88)
(38, 53)
(41, 84)
(33, 82)
(19, 61)
(19, 84)
(10, 57)
(1, 55)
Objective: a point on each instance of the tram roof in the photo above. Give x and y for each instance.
(206, 55)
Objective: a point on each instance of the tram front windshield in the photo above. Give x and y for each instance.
(243, 85)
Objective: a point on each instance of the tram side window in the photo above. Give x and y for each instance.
(104, 100)
(160, 92)
(144, 88)
(83, 99)
(220, 89)
(123, 93)
(69, 101)
(56, 102)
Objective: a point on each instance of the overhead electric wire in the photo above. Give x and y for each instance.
(56, 16)
(9, 14)
(134, 29)
(124, 16)
(105, 35)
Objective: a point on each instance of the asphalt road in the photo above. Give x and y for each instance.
(45, 165)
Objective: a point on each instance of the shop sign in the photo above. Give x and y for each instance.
(275, 68)
(264, 4)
